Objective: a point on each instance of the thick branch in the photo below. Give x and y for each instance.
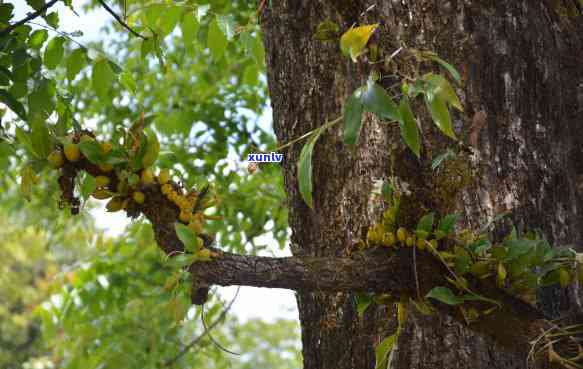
(29, 17)
(379, 270)
(376, 270)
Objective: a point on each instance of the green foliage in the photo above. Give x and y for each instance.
(305, 167)
(352, 114)
(199, 117)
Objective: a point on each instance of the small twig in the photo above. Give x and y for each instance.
(222, 348)
(64, 34)
(206, 332)
(30, 17)
(415, 272)
(120, 21)
(306, 135)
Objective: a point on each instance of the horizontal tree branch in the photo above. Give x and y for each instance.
(378, 270)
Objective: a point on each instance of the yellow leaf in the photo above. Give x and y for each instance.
(355, 39)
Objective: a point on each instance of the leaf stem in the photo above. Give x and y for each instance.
(308, 134)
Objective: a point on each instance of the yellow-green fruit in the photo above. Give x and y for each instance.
(480, 269)
(139, 197)
(56, 159)
(580, 273)
(501, 273)
(122, 186)
(102, 194)
(564, 277)
(101, 181)
(401, 234)
(147, 177)
(106, 168)
(184, 217)
(86, 138)
(115, 204)
(388, 239)
(410, 241)
(72, 152)
(372, 236)
(196, 226)
(164, 176)
(105, 147)
(420, 244)
(166, 189)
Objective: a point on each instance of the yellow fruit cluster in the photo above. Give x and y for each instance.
(379, 235)
(72, 153)
(184, 203)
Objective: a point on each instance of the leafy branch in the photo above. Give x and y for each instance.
(30, 17)
(119, 20)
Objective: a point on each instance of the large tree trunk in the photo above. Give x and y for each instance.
(521, 64)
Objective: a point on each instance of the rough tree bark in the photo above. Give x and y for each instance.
(521, 65)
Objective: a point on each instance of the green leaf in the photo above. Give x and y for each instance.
(451, 70)
(445, 295)
(152, 150)
(518, 247)
(251, 75)
(75, 62)
(462, 263)
(41, 138)
(217, 41)
(8, 99)
(102, 79)
(352, 117)
(353, 41)
(92, 151)
(440, 114)
(446, 225)
(38, 38)
(163, 18)
(52, 19)
(182, 260)
(40, 101)
(408, 126)
(6, 151)
(188, 237)
(128, 82)
(383, 350)
(88, 186)
(442, 88)
(363, 301)
(376, 100)
(54, 52)
(6, 12)
(305, 167)
(189, 27)
(425, 223)
(24, 139)
(148, 46)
